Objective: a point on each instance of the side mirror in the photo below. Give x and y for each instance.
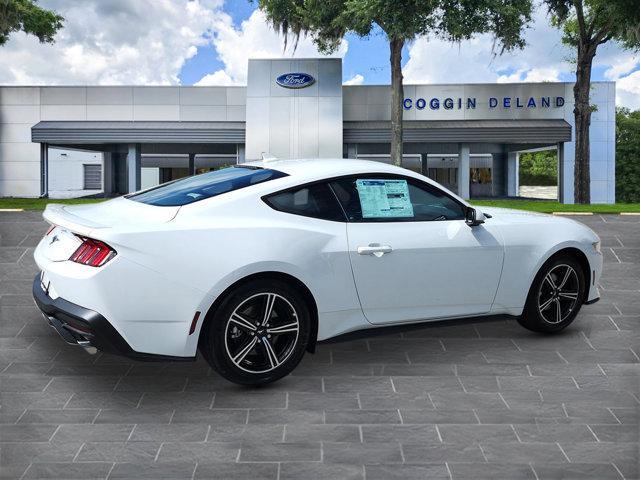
(473, 217)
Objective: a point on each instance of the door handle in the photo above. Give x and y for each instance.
(375, 249)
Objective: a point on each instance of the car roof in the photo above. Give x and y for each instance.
(308, 169)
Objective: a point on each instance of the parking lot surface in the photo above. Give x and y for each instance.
(486, 399)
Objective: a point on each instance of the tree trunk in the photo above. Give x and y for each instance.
(582, 115)
(397, 98)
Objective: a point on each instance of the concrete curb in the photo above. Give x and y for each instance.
(11, 209)
(591, 213)
(572, 213)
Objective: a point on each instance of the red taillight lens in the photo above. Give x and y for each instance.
(93, 253)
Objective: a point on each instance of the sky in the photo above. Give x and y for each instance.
(208, 42)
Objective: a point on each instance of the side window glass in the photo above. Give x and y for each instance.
(317, 201)
(396, 199)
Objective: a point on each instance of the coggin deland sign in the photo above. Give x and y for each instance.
(469, 103)
(302, 80)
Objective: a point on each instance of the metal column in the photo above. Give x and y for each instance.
(134, 167)
(513, 163)
(240, 153)
(44, 170)
(560, 157)
(463, 170)
(192, 164)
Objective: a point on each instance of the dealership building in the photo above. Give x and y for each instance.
(109, 140)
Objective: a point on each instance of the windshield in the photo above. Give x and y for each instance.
(207, 185)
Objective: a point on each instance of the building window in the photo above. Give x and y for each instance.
(92, 177)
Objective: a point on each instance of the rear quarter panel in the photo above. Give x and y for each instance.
(207, 248)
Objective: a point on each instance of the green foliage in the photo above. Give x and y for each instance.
(539, 168)
(585, 22)
(28, 17)
(627, 155)
(327, 21)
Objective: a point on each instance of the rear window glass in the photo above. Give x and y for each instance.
(317, 201)
(207, 185)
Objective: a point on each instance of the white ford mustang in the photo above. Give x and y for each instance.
(254, 264)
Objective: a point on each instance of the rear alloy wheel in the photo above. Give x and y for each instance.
(259, 334)
(555, 297)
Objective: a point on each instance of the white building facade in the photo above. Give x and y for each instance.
(68, 141)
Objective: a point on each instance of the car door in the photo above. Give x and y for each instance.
(412, 254)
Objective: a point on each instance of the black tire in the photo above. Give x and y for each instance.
(271, 355)
(541, 316)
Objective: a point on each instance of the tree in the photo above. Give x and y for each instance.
(328, 21)
(28, 17)
(627, 155)
(587, 24)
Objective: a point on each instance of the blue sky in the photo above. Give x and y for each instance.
(368, 56)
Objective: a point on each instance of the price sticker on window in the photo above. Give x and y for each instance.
(384, 198)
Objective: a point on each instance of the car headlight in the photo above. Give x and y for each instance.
(596, 246)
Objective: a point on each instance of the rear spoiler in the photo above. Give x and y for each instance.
(57, 214)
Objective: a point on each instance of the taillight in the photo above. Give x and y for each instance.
(93, 253)
(49, 230)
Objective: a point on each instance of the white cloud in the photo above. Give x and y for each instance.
(531, 75)
(628, 91)
(436, 61)
(114, 42)
(545, 58)
(357, 79)
(622, 65)
(219, 77)
(253, 39)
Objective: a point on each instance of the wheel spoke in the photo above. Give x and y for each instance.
(546, 304)
(242, 322)
(240, 356)
(268, 309)
(289, 327)
(558, 311)
(571, 295)
(271, 355)
(549, 280)
(567, 273)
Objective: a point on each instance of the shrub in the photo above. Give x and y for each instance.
(627, 156)
(539, 168)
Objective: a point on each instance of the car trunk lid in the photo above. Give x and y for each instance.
(72, 221)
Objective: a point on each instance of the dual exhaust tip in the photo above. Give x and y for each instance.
(72, 338)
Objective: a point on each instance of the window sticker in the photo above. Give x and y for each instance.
(384, 198)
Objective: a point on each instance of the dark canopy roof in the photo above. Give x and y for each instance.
(434, 131)
(137, 132)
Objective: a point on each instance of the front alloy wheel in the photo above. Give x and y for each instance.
(556, 295)
(258, 334)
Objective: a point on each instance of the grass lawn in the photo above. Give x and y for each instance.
(533, 205)
(545, 206)
(40, 203)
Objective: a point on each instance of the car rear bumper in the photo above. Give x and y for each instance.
(86, 328)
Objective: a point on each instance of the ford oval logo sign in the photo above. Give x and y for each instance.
(295, 80)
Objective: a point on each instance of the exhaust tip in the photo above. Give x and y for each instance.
(90, 349)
